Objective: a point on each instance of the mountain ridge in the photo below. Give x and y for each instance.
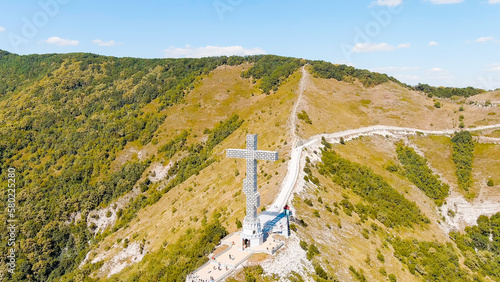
(94, 119)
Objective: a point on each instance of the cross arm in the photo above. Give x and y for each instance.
(266, 155)
(236, 153)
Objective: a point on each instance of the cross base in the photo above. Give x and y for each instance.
(252, 235)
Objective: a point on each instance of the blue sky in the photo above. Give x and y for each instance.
(440, 42)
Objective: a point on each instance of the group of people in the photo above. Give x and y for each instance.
(219, 267)
(195, 278)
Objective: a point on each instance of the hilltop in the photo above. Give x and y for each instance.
(122, 173)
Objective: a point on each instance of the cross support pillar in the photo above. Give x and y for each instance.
(252, 234)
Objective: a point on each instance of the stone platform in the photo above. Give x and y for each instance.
(223, 264)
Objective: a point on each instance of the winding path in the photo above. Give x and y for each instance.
(293, 169)
(294, 163)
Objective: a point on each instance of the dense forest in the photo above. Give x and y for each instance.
(431, 261)
(369, 79)
(348, 74)
(272, 70)
(447, 92)
(480, 245)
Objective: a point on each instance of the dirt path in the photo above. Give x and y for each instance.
(304, 81)
(293, 165)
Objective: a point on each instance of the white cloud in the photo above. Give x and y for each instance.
(210, 51)
(439, 73)
(389, 3)
(104, 43)
(404, 45)
(438, 2)
(445, 77)
(437, 70)
(61, 42)
(372, 47)
(484, 39)
(494, 67)
(494, 1)
(377, 47)
(433, 43)
(2, 28)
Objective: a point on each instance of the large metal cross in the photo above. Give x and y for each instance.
(252, 230)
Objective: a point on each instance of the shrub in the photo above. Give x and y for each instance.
(303, 245)
(304, 117)
(365, 233)
(358, 275)
(308, 202)
(380, 257)
(490, 182)
(316, 213)
(238, 224)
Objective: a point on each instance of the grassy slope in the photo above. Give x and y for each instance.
(492, 96)
(486, 165)
(335, 106)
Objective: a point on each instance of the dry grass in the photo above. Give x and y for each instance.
(256, 258)
(486, 165)
(438, 152)
(492, 96)
(494, 134)
(335, 106)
